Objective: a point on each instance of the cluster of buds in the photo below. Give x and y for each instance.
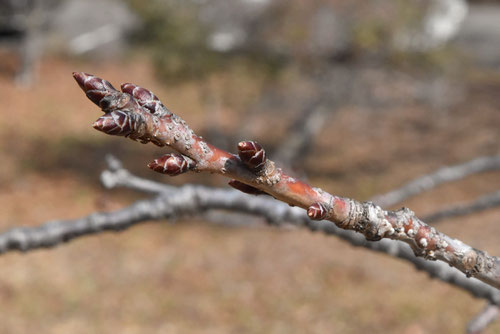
(137, 113)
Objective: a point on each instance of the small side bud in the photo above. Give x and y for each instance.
(94, 87)
(172, 164)
(115, 123)
(317, 211)
(252, 154)
(245, 188)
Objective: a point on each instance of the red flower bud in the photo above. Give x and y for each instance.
(252, 154)
(317, 211)
(95, 88)
(115, 123)
(172, 164)
(145, 98)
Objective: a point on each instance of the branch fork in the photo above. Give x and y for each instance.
(138, 114)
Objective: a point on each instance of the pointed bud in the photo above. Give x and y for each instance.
(317, 212)
(245, 188)
(145, 98)
(115, 123)
(94, 87)
(172, 164)
(252, 154)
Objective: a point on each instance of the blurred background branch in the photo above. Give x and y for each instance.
(178, 202)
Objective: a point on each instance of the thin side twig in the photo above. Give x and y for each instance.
(388, 247)
(483, 203)
(301, 134)
(116, 175)
(440, 176)
(483, 319)
(138, 114)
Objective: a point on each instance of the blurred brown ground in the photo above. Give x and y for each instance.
(194, 277)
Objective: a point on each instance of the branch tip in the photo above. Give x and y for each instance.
(94, 87)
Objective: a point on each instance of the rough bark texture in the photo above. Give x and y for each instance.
(129, 114)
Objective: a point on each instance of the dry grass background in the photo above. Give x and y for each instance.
(194, 277)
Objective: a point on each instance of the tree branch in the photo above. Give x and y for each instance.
(138, 114)
(485, 202)
(116, 175)
(432, 180)
(301, 134)
(191, 200)
(483, 319)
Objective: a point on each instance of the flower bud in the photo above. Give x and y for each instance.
(115, 123)
(94, 87)
(172, 164)
(252, 154)
(317, 211)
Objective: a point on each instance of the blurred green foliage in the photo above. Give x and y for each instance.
(281, 36)
(177, 39)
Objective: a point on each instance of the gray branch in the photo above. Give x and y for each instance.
(192, 200)
(117, 176)
(483, 203)
(483, 319)
(434, 269)
(432, 180)
(174, 203)
(301, 134)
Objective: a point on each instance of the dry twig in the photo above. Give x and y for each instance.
(278, 213)
(483, 319)
(440, 176)
(485, 202)
(138, 114)
(191, 200)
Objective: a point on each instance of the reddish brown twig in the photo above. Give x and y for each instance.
(133, 116)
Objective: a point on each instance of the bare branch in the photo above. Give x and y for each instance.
(191, 200)
(119, 176)
(301, 134)
(483, 319)
(432, 180)
(392, 248)
(485, 202)
(138, 114)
